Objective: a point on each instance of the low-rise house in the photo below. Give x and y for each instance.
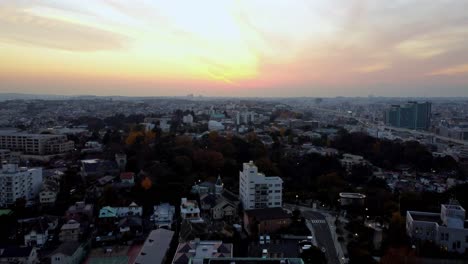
(163, 215)
(189, 210)
(98, 168)
(350, 160)
(118, 212)
(36, 231)
(131, 225)
(18, 255)
(70, 231)
(265, 221)
(196, 251)
(156, 247)
(68, 253)
(220, 203)
(80, 211)
(49, 192)
(127, 178)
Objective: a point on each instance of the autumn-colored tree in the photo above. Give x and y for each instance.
(146, 183)
(183, 141)
(150, 136)
(133, 136)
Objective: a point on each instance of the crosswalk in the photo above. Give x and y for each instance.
(318, 221)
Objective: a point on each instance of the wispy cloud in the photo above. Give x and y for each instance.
(373, 68)
(23, 28)
(459, 69)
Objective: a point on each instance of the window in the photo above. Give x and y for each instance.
(277, 191)
(277, 203)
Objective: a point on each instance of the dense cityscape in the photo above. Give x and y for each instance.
(234, 132)
(197, 179)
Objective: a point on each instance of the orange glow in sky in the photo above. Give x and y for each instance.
(235, 48)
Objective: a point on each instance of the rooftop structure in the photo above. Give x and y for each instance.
(447, 228)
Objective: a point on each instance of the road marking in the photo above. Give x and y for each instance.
(318, 221)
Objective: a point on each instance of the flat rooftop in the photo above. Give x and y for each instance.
(425, 217)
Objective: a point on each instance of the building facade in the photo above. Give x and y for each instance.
(446, 229)
(35, 144)
(257, 190)
(189, 210)
(163, 215)
(412, 115)
(19, 182)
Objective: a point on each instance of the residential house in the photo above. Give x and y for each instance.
(219, 203)
(197, 250)
(189, 210)
(349, 161)
(18, 255)
(117, 212)
(163, 215)
(68, 253)
(131, 225)
(70, 231)
(36, 230)
(127, 178)
(80, 211)
(49, 192)
(98, 168)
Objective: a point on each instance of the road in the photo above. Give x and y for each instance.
(323, 235)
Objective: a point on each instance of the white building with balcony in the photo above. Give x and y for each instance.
(190, 210)
(163, 215)
(448, 229)
(19, 182)
(257, 190)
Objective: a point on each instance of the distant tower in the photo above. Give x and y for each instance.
(219, 185)
(121, 160)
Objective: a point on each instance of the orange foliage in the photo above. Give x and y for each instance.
(146, 183)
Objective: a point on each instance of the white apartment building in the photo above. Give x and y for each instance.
(257, 190)
(18, 183)
(35, 144)
(447, 229)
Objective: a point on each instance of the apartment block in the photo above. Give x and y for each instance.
(35, 144)
(257, 190)
(19, 182)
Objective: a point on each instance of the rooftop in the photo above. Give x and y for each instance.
(425, 217)
(155, 248)
(267, 213)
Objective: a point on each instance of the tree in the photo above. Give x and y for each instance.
(146, 183)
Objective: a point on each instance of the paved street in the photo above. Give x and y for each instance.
(323, 235)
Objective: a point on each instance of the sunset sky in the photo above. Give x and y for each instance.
(235, 48)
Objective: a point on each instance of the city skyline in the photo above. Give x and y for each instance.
(231, 48)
